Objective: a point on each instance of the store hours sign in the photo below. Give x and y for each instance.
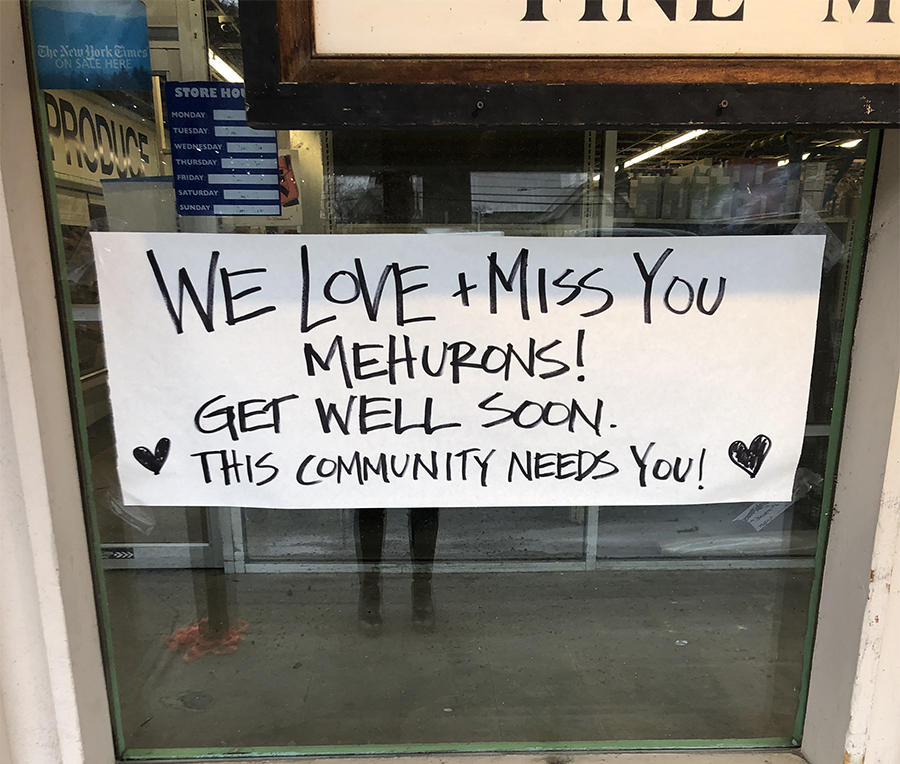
(221, 166)
(453, 370)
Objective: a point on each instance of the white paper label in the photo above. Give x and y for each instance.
(453, 370)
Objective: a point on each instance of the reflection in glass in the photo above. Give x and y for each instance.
(423, 530)
(555, 624)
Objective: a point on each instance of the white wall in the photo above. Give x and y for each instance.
(879, 707)
(51, 678)
(863, 489)
(874, 733)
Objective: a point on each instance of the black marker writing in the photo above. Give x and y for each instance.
(184, 282)
(381, 467)
(680, 295)
(236, 419)
(236, 469)
(648, 277)
(401, 361)
(530, 414)
(577, 465)
(344, 287)
(230, 298)
(495, 274)
(662, 469)
(370, 416)
(206, 312)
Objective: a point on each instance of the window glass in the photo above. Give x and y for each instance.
(233, 629)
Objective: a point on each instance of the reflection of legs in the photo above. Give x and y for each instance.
(423, 529)
(369, 542)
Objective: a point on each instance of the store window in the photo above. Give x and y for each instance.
(232, 629)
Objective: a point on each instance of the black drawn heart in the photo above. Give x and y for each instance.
(750, 458)
(154, 460)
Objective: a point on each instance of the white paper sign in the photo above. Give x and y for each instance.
(453, 370)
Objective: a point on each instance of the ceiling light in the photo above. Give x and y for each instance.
(224, 68)
(783, 162)
(684, 138)
(805, 156)
(851, 144)
(597, 177)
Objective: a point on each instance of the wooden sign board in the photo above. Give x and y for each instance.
(552, 63)
(603, 28)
